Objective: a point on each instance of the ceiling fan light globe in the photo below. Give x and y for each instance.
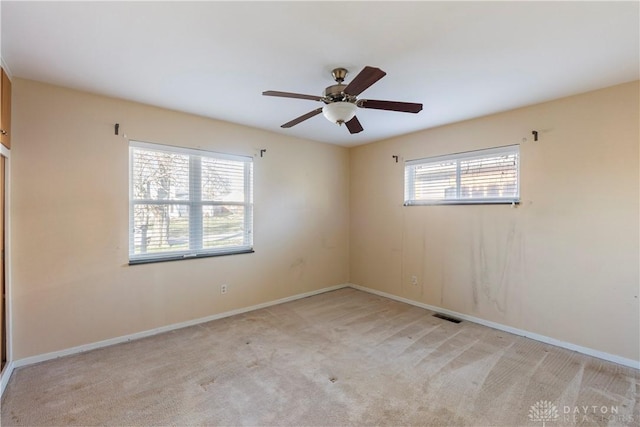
(339, 112)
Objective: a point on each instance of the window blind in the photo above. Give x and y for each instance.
(484, 176)
(187, 203)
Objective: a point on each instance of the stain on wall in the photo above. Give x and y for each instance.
(569, 250)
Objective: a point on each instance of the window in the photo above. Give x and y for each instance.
(187, 203)
(484, 176)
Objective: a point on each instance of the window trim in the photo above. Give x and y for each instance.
(176, 255)
(409, 186)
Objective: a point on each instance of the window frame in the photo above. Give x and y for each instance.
(409, 183)
(195, 157)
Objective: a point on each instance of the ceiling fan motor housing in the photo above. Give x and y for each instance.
(335, 93)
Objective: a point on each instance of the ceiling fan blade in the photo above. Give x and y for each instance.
(404, 107)
(291, 95)
(302, 118)
(366, 77)
(354, 125)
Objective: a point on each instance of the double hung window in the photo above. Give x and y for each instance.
(186, 203)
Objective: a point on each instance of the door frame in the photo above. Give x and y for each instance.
(8, 368)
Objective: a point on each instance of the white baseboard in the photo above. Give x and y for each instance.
(4, 377)
(547, 340)
(6, 373)
(125, 338)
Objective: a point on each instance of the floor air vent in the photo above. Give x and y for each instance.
(445, 317)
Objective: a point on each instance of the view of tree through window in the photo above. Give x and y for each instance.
(485, 176)
(188, 203)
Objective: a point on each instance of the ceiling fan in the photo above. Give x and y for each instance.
(341, 100)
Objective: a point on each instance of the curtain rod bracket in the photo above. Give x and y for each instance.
(535, 135)
(395, 157)
(117, 128)
(264, 150)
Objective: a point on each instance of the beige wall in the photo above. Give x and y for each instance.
(69, 207)
(564, 264)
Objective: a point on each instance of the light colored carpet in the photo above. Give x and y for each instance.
(341, 358)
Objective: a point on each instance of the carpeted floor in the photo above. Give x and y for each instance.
(340, 358)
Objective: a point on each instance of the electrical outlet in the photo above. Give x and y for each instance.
(224, 289)
(414, 280)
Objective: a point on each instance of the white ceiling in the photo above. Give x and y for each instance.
(460, 59)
